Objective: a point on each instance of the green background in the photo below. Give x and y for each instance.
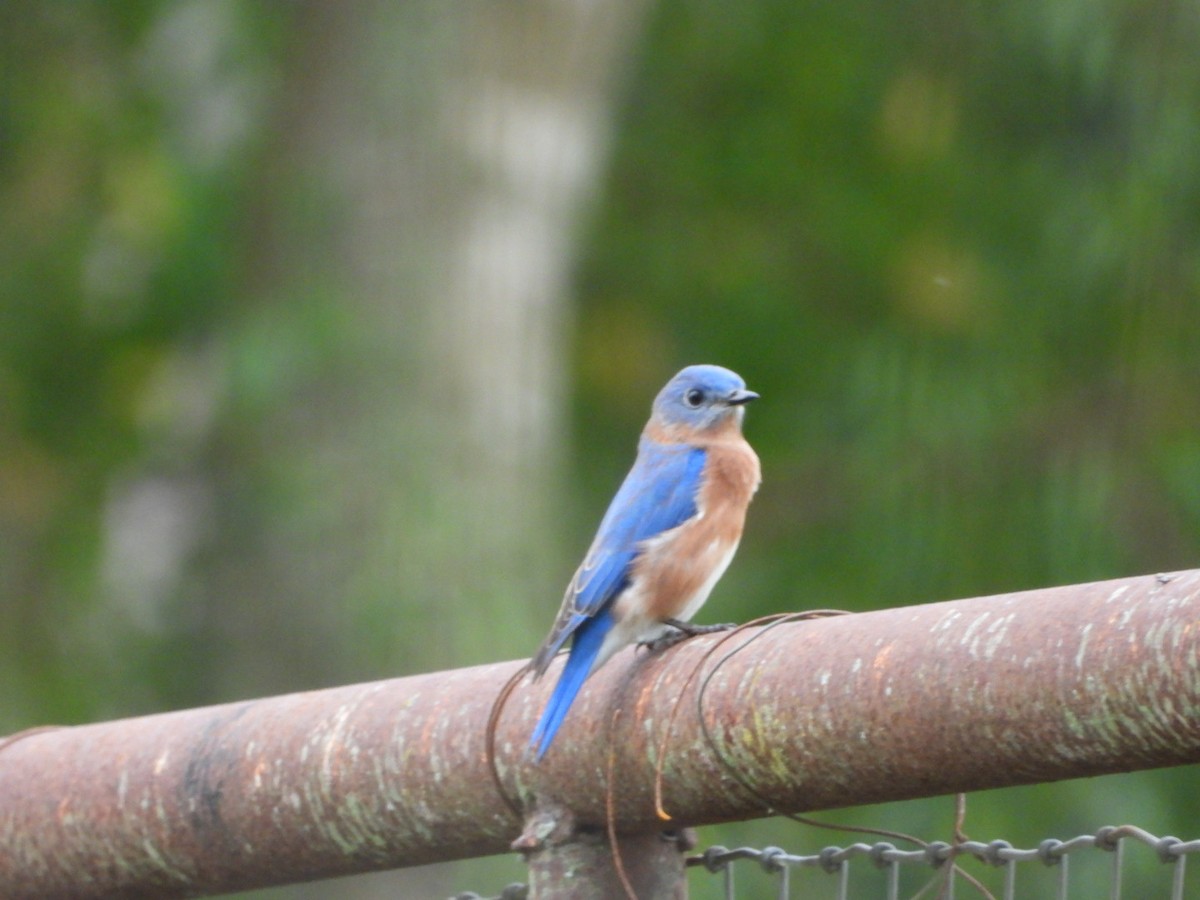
(955, 246)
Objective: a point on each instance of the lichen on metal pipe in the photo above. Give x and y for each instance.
(964, 695)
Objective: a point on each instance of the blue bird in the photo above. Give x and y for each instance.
(668, 536)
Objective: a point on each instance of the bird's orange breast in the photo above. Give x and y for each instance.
(669, 578)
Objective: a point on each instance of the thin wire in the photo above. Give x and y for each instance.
(927, 886)
(1051, 853)
(490, 740)
(960, 819)
(660, 756)
(6, 742)
(610, 804)
(772, 622)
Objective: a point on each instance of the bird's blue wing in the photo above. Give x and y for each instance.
(658, 494)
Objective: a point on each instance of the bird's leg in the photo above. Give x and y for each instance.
(691, 629)
(682, 631)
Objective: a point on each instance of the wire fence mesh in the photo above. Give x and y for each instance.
(939, 867)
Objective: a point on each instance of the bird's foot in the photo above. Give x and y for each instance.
(691, 629)
(682, 631)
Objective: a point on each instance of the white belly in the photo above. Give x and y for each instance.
(698, 599)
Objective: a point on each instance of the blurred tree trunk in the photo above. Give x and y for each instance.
(420, 202)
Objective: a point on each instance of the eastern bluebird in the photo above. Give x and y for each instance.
(666, 539)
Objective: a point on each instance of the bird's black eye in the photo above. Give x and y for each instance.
(694, 397)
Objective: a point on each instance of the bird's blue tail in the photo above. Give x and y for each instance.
(585, 645)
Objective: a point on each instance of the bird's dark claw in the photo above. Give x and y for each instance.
(670, 639)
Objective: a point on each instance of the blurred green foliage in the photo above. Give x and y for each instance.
(123, 174)
(956, 247)
(958, 256)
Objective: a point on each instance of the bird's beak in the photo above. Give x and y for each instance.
(740, 397)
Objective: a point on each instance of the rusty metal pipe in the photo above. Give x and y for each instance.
(918, 701)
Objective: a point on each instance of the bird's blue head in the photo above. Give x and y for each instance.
(703, 398)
